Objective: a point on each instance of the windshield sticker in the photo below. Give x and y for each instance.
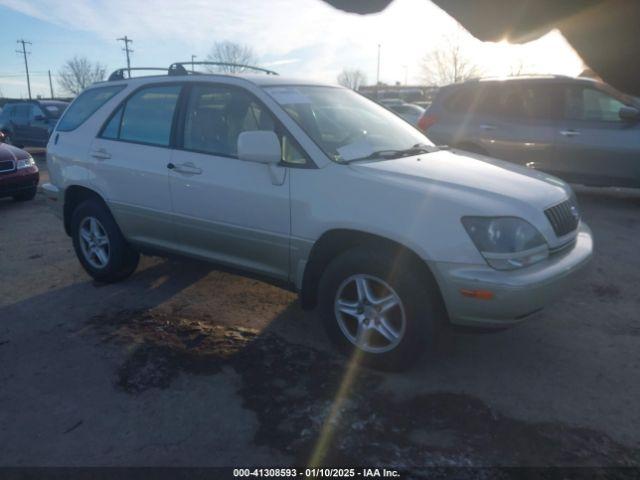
(358, 149)
(288, 95)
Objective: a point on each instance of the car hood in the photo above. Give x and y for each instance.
(9, 152)
(478, 173)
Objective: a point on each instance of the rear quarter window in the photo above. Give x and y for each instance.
(86, 105)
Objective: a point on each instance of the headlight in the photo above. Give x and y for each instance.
(25, 163)
(506, 243)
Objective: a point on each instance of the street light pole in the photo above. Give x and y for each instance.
(378, 69)
(192, 59)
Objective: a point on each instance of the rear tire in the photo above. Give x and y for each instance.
(100, 246)
(26, 195)
(414, 324)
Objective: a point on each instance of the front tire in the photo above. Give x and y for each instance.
(378, 309)
(100, 246)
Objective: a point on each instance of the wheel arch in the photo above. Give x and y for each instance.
(74, 195)
(334, 242)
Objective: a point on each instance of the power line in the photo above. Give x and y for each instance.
(26, 64)
(127, 50)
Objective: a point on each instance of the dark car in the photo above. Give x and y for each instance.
(31, 122)
(19, 174)
(578, 129)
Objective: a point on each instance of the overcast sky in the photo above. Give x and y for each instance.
(301, 38)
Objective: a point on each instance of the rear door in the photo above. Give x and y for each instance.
(515, 122)
(130, 158)
(227, 210)
(595, 146)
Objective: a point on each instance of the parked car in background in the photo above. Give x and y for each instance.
(19, 174)
(408, 111)
(30, 123)
(578, 129)
(320, 190)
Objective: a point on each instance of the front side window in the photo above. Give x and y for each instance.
(345, 125)
(216, 115)
(85, 105)
(590, 104)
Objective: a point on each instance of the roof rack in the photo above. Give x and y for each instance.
(178, 68)
(119, 73)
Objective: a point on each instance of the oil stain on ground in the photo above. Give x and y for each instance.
(293, 391)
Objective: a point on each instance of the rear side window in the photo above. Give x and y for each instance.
(85, 105)
(146, 117)
(463, 100)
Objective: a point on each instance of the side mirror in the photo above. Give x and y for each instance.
(39, 118)
(260, 146)
(629, 114)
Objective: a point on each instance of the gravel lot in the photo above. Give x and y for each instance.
(185, 365)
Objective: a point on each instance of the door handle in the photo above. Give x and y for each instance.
(569, 133)
(486, 127)
(100, 154)
(188, 168)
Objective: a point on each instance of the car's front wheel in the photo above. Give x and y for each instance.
(100, 246)
(379, 310)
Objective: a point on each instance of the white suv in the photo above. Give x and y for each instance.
(318, 189)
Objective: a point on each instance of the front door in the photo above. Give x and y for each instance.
(228, 210)
(594, 145)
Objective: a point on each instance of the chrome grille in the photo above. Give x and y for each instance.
(564, 217)
(7, 166)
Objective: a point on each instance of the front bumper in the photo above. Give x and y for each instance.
(516, 293)
(54, 198)
(17, 182)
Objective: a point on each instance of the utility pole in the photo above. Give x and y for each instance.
(26, 64)
(378, 69)
(51, 85)
(127, 50)
(406, 71)
(192, 59)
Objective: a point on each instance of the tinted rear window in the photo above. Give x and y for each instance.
(85, 105)
(509, 99)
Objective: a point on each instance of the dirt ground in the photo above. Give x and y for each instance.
(185, 365)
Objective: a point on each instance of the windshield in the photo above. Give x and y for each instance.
(345, 125)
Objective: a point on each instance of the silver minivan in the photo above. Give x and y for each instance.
(578, 129)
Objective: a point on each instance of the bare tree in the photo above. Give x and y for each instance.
(231, 52)
(448, 63)
(78, 73)
(352, 78)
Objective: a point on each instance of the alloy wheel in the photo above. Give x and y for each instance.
(94, 242)
(370, 313)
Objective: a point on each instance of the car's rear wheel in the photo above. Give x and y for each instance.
(26, 195)
(379, 311)
(100, 246)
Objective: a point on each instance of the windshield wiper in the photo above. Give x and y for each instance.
(417, 149)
